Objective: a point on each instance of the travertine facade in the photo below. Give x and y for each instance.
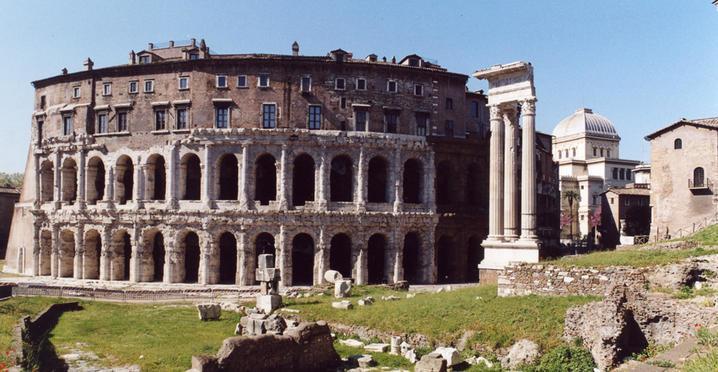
(184, 166)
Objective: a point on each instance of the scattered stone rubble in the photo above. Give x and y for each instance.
(522, 352)
(342, 287)
(209, 311)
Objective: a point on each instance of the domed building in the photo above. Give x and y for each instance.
(586, 146)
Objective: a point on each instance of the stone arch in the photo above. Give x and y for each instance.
(69, 180)
(413, 181)
(47, 181)
(122, 255)
(699, 179)
(472, 184)
(444, 253)
(376, 259)
(340, 254)
(190, 248)
(95, 187)
(677, 144)
(341, 179)
(228, 180)
(227, 258)
(124, 179)
(378, 180)
(45, 265)
(411, 258)
(154, 243)
(67, 254)
(191, 177)
(302, 259)
(156, 177)
(444, 179)
(475, 256)
(265, 171)
(303, 179)
(93, 252)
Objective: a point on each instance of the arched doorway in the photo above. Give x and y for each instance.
(413, 181)
(444, 250)
(303, 180)
(227, 258)
(340, 255)
(475, 256)
(376, 258)
(191, 257)
(265, 188)
(67, 254)
(302, 260)
(156, 177)
(124, 179)
(158, 257)
(341, 179)
(126, 256)
(191, 177)
(46, 181)
(93, 252)
(378, 179)
(410, 261)
(95, 187)
(228, 177)
(69, 181)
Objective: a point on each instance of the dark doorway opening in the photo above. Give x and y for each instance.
(412, 181)
(127, 255)
(476, 255)
(266, 179)
(302, 260)
(192, 177)
(227, 258)
(228, 177)
(376, 259)
(340, 255)
(412, 248)
(341, 179)
(377, 183)
(444, 250)
(303, 180)
(191, 258)
(158, 257)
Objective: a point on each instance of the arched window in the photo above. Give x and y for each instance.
(190, 177)
(377, 184)
(265, 184)
(698, 177)
(677, 144)
(341, 179)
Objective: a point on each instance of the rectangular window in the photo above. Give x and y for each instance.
(449, 130)
(340, 84)
(221, 81)
(242, 81)
(107, 89)
(361, 118)
(183, 83)
(628, 174)
(149, 86)
(122, 121)
(608, 153)
(306, 84)
(392, 86)
(132, 87)
(343, 102)
(475, 109)
(221, 117)
(315, 117)
(595, 151)
(422, 123)
(160, 116)
(361, 84)
(615, 173)
(75, 92)
(102, 123)
(449, 104)
(42, 102)
(144, 59)
(622, 173)
(418, 90)
(392, 121)
(263, 81)
(269, 115)
(66, 125)
(602, 154)
(193, 56)
(181, 118)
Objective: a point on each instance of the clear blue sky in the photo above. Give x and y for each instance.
(642, 64)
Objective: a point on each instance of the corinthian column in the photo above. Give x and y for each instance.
(510, 176)
(528, 171)
(243, 174)
(283, 180)
(496, 176)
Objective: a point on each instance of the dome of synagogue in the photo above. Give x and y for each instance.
(585, 122)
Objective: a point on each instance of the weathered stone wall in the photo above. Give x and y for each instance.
(309, 347)
(8, 198)
(549, 280)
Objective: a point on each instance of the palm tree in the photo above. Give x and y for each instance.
(571, 196)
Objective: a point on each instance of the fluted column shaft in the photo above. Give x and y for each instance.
(283, 177)
(528, 170)
(510, 176)
(243, 174)
(79, 253)
(207, 177)
(361, 182)
(322, 183)
(496, 176)
(81, 181)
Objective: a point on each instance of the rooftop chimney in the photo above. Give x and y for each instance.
(172, 43)
(194, 42)
(150, 46)
(132, 57)
(64, 71)
(393, 59)
(88, 64)
(295, 49)
(202, 45)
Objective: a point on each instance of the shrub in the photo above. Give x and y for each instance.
(565, 358)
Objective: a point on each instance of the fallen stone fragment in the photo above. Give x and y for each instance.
(209, 311)
(450, 354)
(342, 305)
(342, 288)
(432, 362)
(410, 295)
(365, 361)
(377, 348)
(351, 342)
(390, 298)
(522, 352)
(395, 348)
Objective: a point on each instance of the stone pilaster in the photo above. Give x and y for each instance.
(429, 172)
(321, 258)
(35, 262)
(139, 184)
(496, 176)
(58, 180)
(510, 176)
(528, 171)
(109, 187)
(243, 179)
(428, 259)
(135, 255)
(397, 178)
(398, 259)
(362, 185)
(283, 180)
(205, 258)
(245, 274)
(323, 178)
(170, 259)
(359, 253)
(284, 257)
(81, 181)
(38, 181)
(171, 185)
(106, 254)
(78, 260)
(207, 197)
(55, 254)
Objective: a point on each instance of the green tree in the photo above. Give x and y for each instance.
(11, 180)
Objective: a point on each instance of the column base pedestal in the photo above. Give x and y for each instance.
(498, 254)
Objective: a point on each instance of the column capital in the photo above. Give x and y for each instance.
(494, 112)
(528, 106)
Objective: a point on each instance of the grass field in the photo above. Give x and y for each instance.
(444, 317)
(633, 257)
(10, 313)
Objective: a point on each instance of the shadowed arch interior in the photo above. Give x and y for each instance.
(69, 181)
(124, 179)
(158, 257)
(91, 259)
(410, 260)
(47, 192)
(95, 187)
(412, 180)
(376, 258)
(265, 188)
(191, 257)
(67, 254)
(191, 173)
(228, 177)
(303, 180)
(302, 260)
(476, 255)
(227, 258)
(444, 253)
(340, 255)
(156, 177)
(444, 176)
(341, 179)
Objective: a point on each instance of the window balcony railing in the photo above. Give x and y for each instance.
(698, 184)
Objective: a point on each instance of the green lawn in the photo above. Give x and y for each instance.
(10, 312)
(632, 257)
(707, 236)
(444, 317)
